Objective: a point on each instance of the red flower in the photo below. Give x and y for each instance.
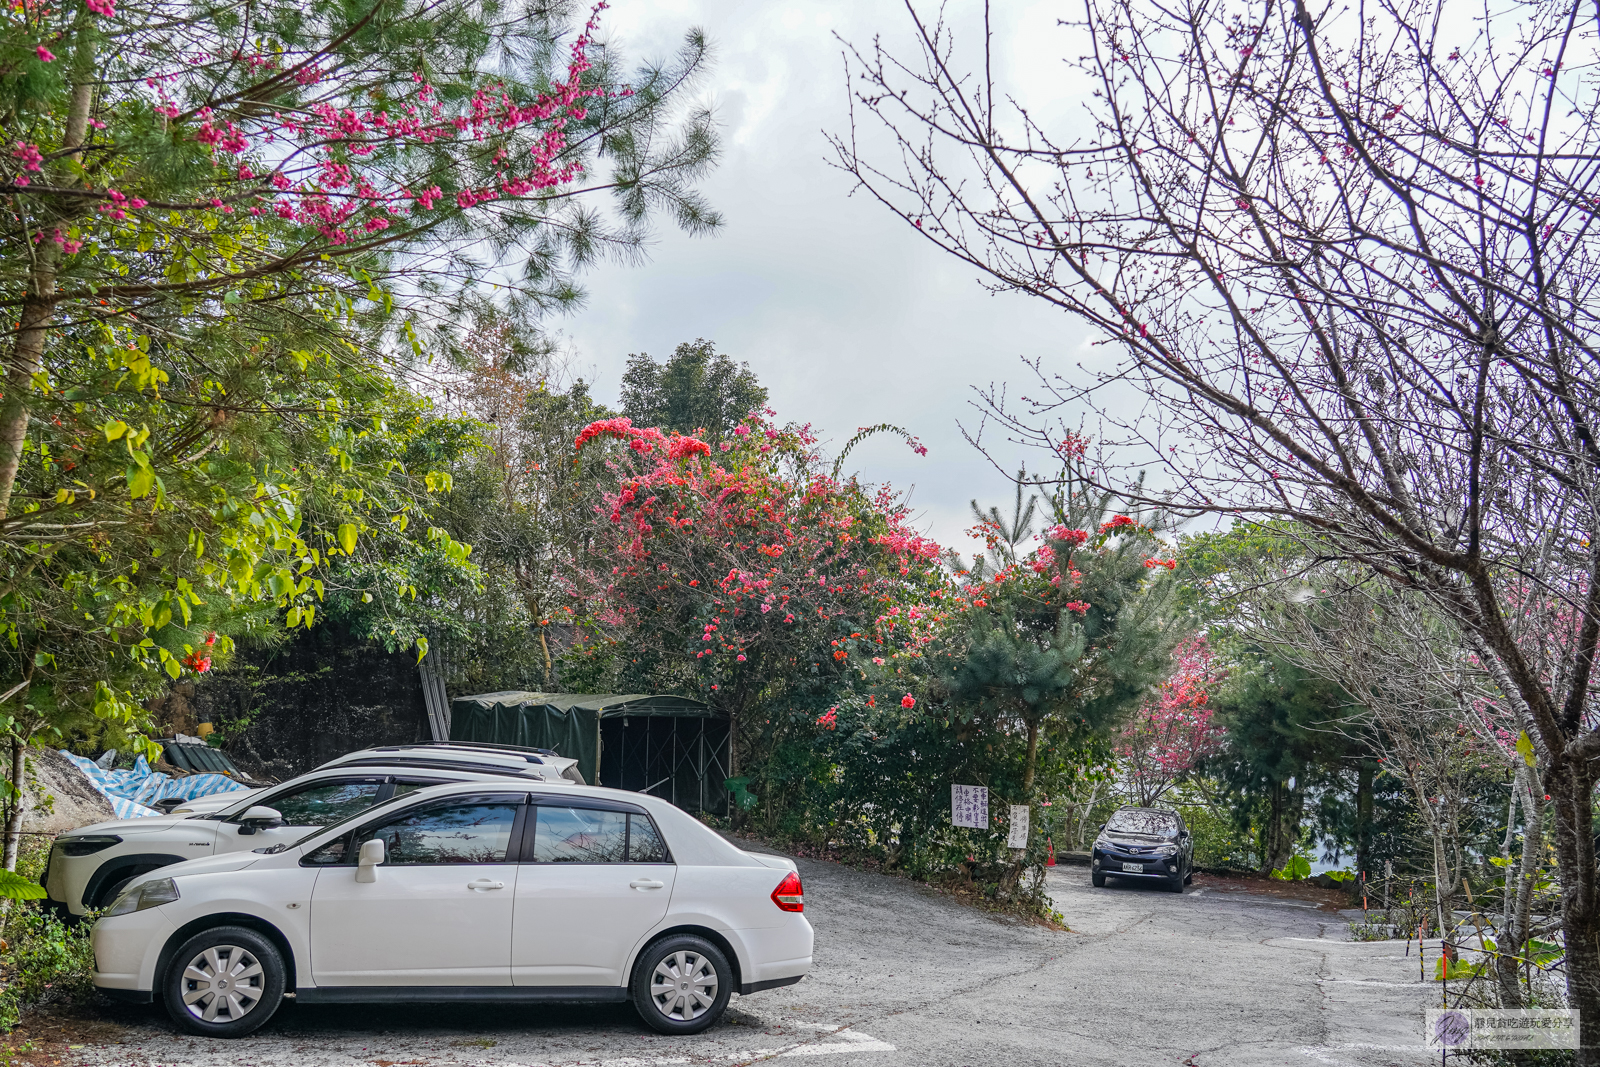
(908, 701)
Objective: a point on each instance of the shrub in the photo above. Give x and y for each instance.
(42, 960)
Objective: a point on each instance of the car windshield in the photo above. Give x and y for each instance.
(1143, 821)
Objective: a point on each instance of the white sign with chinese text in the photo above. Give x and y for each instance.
(969, 806)
(1018, 838)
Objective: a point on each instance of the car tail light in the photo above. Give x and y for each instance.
(789, 896)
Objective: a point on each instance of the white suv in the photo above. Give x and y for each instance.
(471, 891)
(89, 866)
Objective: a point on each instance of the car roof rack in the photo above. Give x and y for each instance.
(486, 744)
(530, 755)
(438, 764)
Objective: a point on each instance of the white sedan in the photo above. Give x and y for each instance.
(467, 891)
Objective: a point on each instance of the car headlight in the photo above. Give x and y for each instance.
(87, 844)
(150, 894)
(1168, 850)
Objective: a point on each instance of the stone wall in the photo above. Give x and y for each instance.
(287, 709)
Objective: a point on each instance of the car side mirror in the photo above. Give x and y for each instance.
(367, 862)
(258, 817)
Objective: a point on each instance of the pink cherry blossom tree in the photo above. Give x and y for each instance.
(425, 158)
(1349, 256)
(1172, 732)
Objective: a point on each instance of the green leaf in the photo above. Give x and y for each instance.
(15, 887)
(163, 615)
(347, 537)
(141, 480)
(114, 429)
(174, 668)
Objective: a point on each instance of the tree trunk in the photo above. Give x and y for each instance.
(549, 668)
(1364, 776)
(37, 311)
(1033, 761)
(19, 803)
(1508, 935)
(27, 355)
(1283, 827)
(1088, 808)
(1571, 787)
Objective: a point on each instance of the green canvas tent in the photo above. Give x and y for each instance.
(671, 747)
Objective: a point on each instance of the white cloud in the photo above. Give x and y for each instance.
(843, 311)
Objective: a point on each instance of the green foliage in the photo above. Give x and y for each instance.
(287, 482)
(202, 432)
(43, 960)
(1068, 638)
(15, 887)
(1218, 840)
(1297, 869)
(1283, 743)
(874, 784)
(697, 389)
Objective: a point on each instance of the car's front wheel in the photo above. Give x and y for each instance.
(1097, 879)
(681, 984)
(224, 982)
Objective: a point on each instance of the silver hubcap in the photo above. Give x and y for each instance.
(222, 984)
(684, 986)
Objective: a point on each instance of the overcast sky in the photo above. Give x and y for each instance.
(847, 317)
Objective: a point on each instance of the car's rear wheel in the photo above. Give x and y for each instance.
(224, 982)
(681, 984)
(1188, 876)
(1097, 879)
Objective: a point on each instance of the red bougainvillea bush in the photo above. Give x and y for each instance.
(749, 574)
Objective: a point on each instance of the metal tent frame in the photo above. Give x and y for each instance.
(681, 760)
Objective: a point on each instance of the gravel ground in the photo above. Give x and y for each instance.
(906, 978)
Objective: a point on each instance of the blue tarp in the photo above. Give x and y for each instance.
(132, 792)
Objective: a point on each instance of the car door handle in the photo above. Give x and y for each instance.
(484, 884)
(646, 883)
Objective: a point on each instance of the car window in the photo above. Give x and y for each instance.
(332, 854)
(324, 803)
(402, 786)
(475, 832)
(579, 835)
(1135, 821)
(644, 843)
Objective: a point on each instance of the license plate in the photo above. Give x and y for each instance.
(1137, 868)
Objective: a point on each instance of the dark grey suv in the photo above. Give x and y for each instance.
(1144, 843)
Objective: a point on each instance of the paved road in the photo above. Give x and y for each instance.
(904, 978)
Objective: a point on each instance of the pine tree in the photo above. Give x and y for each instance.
(1070, 637)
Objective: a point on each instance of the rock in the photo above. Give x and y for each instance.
(60, 797)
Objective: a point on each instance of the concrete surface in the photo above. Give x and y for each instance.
(904, 978)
